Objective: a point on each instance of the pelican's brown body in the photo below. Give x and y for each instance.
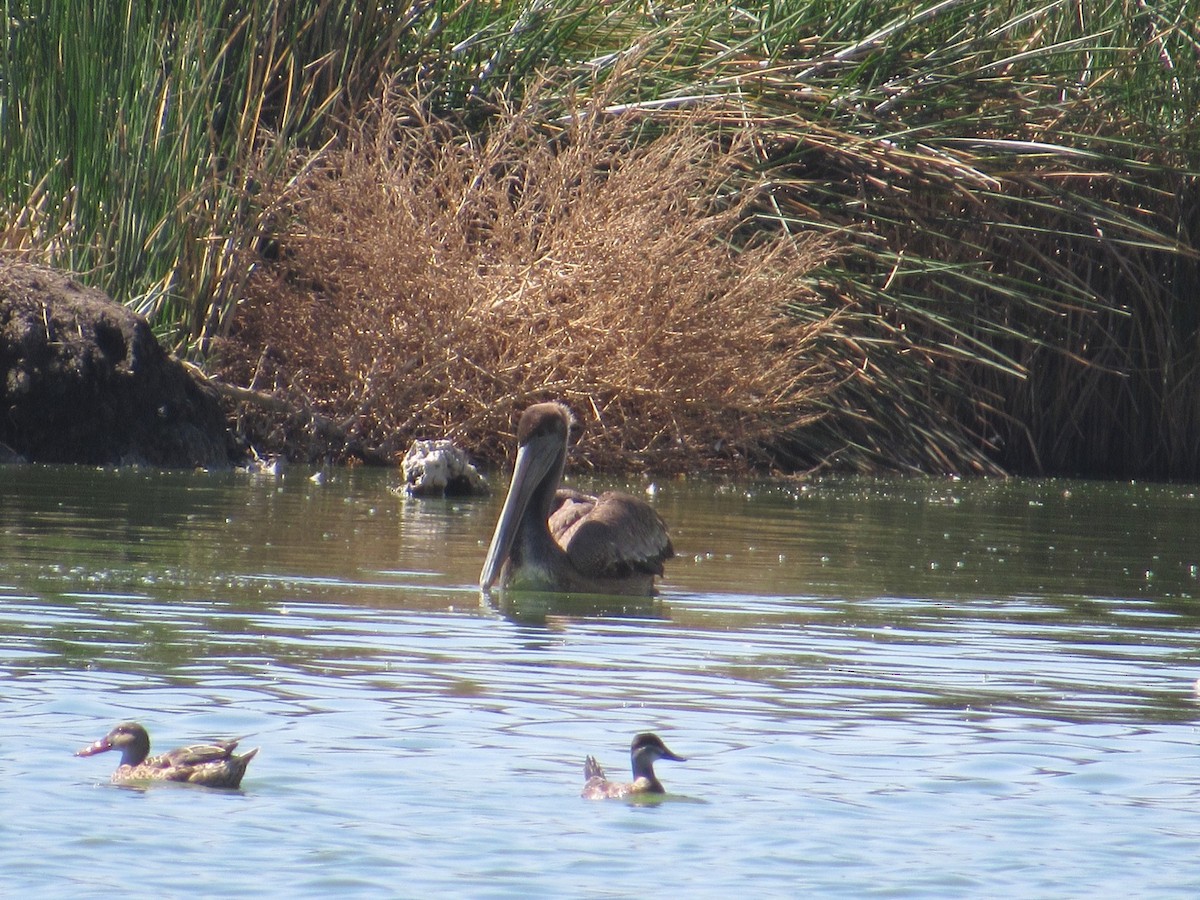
(211, 765)
(549, 539)
(645, 750)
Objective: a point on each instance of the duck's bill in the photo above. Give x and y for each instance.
(91, 749)
(670, 755)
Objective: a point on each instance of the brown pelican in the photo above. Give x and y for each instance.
(561, 540)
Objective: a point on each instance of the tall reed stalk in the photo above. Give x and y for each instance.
(137, 138)
(1014, 188)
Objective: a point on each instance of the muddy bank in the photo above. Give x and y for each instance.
(84, 380)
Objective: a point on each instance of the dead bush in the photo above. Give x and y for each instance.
(434, 282)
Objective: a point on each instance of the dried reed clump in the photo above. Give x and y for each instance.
(435, 282)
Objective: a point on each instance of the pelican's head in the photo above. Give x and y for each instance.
(542, 437)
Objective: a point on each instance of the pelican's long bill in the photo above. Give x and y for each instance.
(528, 472)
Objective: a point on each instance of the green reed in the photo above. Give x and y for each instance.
(1014, 189)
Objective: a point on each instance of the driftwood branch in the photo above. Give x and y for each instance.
(322, 426)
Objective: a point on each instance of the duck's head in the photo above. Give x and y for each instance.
(128, 737)
(645, 751)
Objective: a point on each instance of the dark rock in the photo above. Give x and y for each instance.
(85, 381)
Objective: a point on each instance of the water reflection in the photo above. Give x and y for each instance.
(922, 538)
(948, 684)
(550, 610)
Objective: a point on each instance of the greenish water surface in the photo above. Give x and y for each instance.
(913, 688)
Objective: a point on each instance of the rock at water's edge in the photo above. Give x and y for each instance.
(85, 381)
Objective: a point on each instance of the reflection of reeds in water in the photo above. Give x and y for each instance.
(1011, 192)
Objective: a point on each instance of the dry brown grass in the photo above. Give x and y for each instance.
(434, 283)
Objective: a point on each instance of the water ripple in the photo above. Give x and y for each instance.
(857, 720)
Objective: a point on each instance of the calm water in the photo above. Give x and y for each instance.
(896, 688)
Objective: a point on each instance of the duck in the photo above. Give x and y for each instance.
(210, 765)
(644, 752)
(555, 539)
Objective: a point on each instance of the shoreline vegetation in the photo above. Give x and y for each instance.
(947, 237)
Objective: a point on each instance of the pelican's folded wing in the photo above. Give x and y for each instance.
(621, 535)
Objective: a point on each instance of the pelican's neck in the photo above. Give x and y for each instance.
(534, 540)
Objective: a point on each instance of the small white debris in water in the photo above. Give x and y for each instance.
(438, 468)
(268, 466)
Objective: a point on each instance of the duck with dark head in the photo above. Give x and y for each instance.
(644, 752)
(552, 539)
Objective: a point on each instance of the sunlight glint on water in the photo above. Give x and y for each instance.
(915, 688)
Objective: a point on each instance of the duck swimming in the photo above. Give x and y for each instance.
(644, 752)
(548, 539)
(211, 765)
